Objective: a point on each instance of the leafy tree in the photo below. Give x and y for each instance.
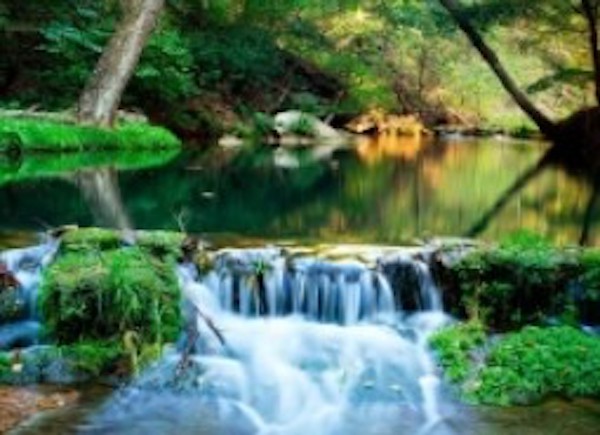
(579, 124)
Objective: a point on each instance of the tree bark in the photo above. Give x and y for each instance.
(545, 125)
(101, 97)
(591, 10)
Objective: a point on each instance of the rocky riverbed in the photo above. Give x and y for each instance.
(18, 404)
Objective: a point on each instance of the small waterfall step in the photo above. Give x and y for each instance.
(22, 270)
(275, 282)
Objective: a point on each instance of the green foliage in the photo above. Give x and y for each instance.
(164, 245)
(92, 358)
(522, 281)
(534, 363)
(42, 135)
(236, 57)
(87, 240)
(5, 364)
(103, 294)
(454, 346)
(165, 74)
(590, 279)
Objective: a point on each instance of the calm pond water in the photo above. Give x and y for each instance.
(385, 191)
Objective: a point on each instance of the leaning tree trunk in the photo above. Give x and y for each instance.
(591, 12)
(542, 121)
(101, 97)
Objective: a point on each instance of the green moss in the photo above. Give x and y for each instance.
(90, 357)
(534, 363)
(590, 278)
(90, 239)
(103, 294)
(5, 364)
(522, 281)
(161, 243)
(454, 346)
(45, 135)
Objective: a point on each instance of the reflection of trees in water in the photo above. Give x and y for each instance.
(583, 166)
(437, 188)
(100, 190)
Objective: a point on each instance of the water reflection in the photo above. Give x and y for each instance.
(100, 189)
(582, 168)
(387, 191)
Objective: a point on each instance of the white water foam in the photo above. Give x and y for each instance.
(328, 344)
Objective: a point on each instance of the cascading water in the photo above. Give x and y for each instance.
(310, 345)
(19, 320)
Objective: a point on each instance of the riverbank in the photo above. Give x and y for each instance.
(19, 135)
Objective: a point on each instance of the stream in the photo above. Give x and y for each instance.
(324, 341)
(334, 343)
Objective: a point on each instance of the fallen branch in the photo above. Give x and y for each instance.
(193, 335)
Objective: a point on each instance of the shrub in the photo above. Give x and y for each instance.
(534, 363)
(454, 346)
(522, 281)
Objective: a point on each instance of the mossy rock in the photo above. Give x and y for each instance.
(93, 294)
(157, 243)
(510, 285)
(161, 243)
(12, 305)
(87, 239)
(70, 364)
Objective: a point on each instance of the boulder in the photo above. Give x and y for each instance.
(304, 124)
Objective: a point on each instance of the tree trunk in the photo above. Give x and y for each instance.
(101, 97)
(546, 126)
(591, 11)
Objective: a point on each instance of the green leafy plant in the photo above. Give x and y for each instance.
(529, 365)
(523, 280)
(454, 346)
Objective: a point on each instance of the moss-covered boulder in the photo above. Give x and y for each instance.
(99, 288)
(165, 245)
(524, 281)
(12, 305)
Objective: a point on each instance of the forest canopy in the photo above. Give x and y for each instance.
(209, 65)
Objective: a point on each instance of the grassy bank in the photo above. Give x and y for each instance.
(19, 135)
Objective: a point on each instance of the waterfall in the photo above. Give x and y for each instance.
(264, 282)
(309, 344)
(19, 320)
